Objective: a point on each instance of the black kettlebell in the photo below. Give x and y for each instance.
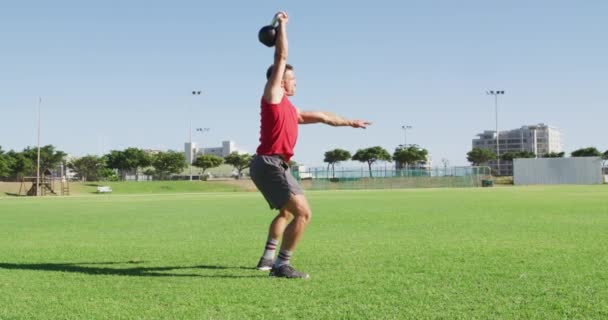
(268, 34)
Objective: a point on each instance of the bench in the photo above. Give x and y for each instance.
(105, 189)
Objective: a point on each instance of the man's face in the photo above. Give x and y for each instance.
(289, 83)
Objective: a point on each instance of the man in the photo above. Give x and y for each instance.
(269, 168)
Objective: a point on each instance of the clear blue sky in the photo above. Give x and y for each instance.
(115, 74)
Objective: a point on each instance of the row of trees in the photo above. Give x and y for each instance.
(14, 165)
(409, 156)
(118, 164)
(239, 161)
(160, 165)
(479, 156)
(113, 166)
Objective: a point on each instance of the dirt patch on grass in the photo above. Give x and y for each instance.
(12, 188)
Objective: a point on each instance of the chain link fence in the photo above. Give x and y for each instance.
(386, 178)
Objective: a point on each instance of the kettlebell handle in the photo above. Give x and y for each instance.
(275, 20)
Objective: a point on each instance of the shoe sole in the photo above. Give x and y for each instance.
(283, 277)
(264, 268)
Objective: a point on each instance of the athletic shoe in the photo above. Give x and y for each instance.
(265, 264)
(287, 271)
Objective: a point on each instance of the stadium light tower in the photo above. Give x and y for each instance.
(496, 93)
(38, 194)
(194, 93)
(405, 128)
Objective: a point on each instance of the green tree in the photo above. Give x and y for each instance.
(587, 152)
(207, 161)
(87, 167)
(107, 174)
(4, 165)
(239, 161)
(50, 158)
(509, 156)
(479, 156)
(140, 159)
(167, 163)
(19, 165)
(332, 157)
(117, 160)
(371, 155)
(410, 155)
(554, 155)
(129, 160)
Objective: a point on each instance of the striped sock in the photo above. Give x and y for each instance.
(270, 249)
(283, 258)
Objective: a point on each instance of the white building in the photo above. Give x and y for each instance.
(539, 139)
(190, 151)
(227, 148)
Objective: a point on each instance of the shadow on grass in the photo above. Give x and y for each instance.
(94, 269)
(13, 194)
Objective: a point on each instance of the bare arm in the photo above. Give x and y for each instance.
(273, 93)
(307, 117)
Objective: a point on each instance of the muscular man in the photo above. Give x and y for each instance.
(269, 168)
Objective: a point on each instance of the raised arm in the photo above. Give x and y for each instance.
(273, 93)
(307, 117)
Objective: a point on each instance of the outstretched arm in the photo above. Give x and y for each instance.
(273, 93)
(306, 117)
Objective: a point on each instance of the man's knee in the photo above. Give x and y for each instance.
(298, 206)
(284, 214)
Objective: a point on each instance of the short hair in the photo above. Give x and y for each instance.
(271, 68)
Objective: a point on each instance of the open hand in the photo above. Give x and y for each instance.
(360, 124)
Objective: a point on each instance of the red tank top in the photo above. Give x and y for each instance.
(279, 128)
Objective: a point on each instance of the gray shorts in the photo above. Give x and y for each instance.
(273, 178)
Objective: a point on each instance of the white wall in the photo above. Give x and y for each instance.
(584, 170)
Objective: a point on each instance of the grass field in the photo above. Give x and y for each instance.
(496, 253)
(8, 189)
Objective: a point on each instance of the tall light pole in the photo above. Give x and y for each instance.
(38, 161)
(405, 128)
(194, 93)
(496, 93)
(446, 163)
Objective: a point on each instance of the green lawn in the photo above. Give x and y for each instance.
(11, 189)
(155, 187)
(496, 253)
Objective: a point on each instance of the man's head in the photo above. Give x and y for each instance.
(289, 79)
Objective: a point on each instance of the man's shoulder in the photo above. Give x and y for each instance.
(274, 100)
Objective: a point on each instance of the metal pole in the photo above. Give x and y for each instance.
(495, 93)
(405, 128)
(38, 161)
(521, 142)
(190, 150)
(194, 93)
(497, 136)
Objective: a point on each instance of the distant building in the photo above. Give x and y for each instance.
(152, 152)
(539, 139)
(190, 151)
(227, 148)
